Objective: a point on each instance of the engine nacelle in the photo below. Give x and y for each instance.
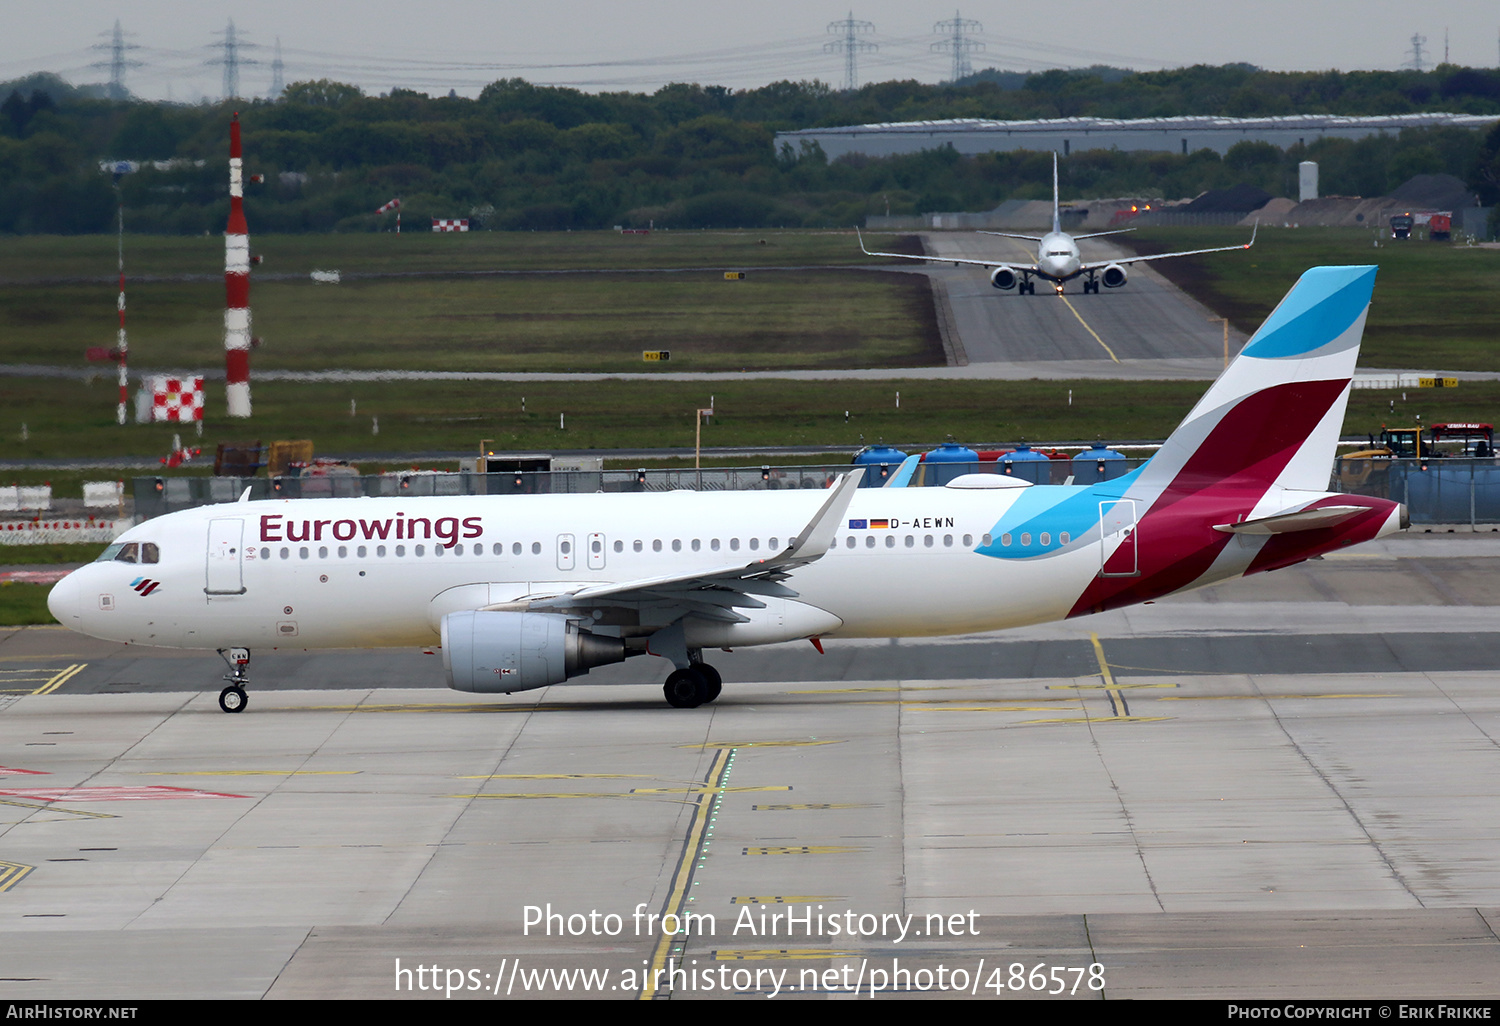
(1114, 276)
(489, 651)
(1003, 278)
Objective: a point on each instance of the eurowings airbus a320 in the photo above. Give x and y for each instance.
(1058, 259)
(527, 591)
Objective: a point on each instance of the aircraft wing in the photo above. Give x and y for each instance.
(955, 260)
(1099, 264)
(713, 593)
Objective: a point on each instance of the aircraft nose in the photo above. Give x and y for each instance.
(65, 601)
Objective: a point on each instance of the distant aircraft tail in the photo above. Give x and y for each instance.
(1056, 201)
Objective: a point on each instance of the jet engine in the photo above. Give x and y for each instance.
(1003, 278)
(489, 651)
(1114, 276)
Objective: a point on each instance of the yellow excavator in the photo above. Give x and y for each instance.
(1476, 441)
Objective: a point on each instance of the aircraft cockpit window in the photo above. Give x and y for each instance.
(130, 552)
(109, 554)
(150, 553)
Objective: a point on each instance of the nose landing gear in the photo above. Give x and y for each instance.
(233, 698)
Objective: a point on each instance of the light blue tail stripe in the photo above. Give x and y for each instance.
(1323, 305)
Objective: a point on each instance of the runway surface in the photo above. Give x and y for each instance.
(1285, 787)
(1109, 334)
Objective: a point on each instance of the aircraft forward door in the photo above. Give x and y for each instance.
(1118, 549)
(225, 574)
(596, 551)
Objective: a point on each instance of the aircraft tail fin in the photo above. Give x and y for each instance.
(1056, 202)
(1273, 418)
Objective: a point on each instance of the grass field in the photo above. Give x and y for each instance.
(24, 604)
(1436, 305)
(416, 417)
(1433, 309)
(50, 257)
(770, 320)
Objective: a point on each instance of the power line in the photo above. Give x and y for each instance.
(232, 45)
(958, 44)
(117, 62)
(1416, 52)
(850, 45)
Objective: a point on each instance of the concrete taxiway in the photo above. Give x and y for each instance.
(1285, 787)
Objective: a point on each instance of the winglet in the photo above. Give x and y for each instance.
(904, 473)
(817, 536)
(245, 495)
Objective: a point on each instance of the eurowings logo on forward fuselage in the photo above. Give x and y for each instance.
(144, 586)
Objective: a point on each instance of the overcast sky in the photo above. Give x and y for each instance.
(464, 44)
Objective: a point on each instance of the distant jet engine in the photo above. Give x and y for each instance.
(1003, 278)
(1114, 276)
(492, 651)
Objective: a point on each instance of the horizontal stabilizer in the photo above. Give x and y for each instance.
(1299, 520)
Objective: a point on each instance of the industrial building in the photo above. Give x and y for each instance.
(1064, 135)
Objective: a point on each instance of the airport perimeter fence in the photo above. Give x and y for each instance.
(1439, 491)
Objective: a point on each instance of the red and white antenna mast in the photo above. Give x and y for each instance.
(236, 286)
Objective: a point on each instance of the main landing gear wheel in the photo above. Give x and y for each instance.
(233, 699)
(685, 689)
(713, 683)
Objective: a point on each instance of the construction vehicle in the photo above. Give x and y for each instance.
(1440, 440)
(1476, 441)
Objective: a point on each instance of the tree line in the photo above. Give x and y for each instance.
(524, 156)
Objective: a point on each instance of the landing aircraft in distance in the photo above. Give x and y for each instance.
(524, 591)
(1057, 257)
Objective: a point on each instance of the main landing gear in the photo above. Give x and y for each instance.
(1091, 284)
(697, 685)
(233, 699)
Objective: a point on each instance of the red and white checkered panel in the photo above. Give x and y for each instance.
(450, 224)
(176, 399)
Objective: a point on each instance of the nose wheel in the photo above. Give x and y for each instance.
(234, 698)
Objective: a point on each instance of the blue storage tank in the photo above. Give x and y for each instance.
(948, 461)
(1026, 463)
(1100, 463)
(872, 457)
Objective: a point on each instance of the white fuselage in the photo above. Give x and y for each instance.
(382, 572)
(1057, 256)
